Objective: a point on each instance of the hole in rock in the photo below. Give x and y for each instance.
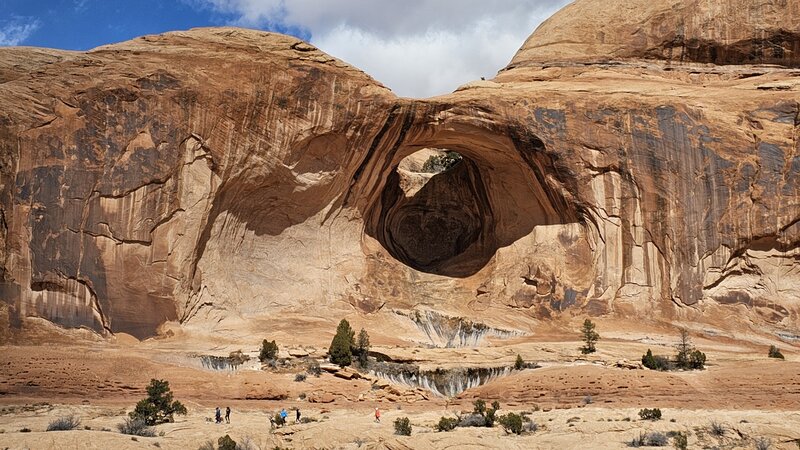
(446, 208)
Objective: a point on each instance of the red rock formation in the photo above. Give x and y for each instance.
(219, 173)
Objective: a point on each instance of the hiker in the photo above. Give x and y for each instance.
(377, 415)
(227, 414)
(284, 415)
(271, 422)
(218, 416)
(297, 419)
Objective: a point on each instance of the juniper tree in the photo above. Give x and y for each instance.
(590, 337)
(341, 349)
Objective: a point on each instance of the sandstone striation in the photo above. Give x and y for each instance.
(631, 167)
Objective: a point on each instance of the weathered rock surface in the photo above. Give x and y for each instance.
(707, 31)
(221, 174)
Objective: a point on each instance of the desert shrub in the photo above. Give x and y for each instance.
(226, 443)
(64, 423)
(679, 440)
(402, 426)
(655, 362)
(717, 429)
(341, 349)
(511, 422)
(588, 400)
(531, 426)
(775, 352)
(246, 443)
(25, 430)
(763, 443)
(441, 163)
(650, 414)
(314, 369)
(697, 359)
(481, 415)
(447, 423)
(136, 427)
(590, 337)
(687, 356)
(279, 421)
(519, 364)
(652, 439)
(300, 377)
(269, 350)
(159, 406)
(238, 358)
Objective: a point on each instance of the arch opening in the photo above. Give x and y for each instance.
(452, 220)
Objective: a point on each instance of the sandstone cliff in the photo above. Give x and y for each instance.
(222, 174)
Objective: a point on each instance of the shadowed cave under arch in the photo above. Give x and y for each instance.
(454, 223)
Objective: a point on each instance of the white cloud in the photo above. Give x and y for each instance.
(419, 48)
(16, 30)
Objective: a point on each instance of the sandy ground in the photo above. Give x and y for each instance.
(100, 380)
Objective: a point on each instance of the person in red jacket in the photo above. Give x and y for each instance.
(377, 415)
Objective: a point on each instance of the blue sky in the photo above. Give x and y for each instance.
(418, 48)
(85, 24)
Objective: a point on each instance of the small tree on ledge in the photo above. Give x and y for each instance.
(590, 337)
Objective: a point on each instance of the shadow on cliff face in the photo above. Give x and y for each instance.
(455, 222)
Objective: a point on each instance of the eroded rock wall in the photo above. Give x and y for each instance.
(222, 174)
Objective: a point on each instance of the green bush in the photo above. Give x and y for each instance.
(680, 441)
(226, 443)
(650, 414)
(511, 422)
(441, 163)
(341, 349)
(159, 406)
(697, 359)
(775, 352)
(447, 423)
(487, 414)
(269, 350)
(402, 426)
(655, 362)
(136, 427)
(279, 421)
(64, 423)
(519, 364)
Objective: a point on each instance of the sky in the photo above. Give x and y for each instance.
(418, 48)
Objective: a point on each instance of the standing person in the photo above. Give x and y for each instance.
(218, 416)
(377, 415)
(227, 414)
(284, 415)
(297, 419)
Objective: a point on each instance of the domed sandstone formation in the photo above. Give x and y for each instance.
(231, 176)
(704, 31)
